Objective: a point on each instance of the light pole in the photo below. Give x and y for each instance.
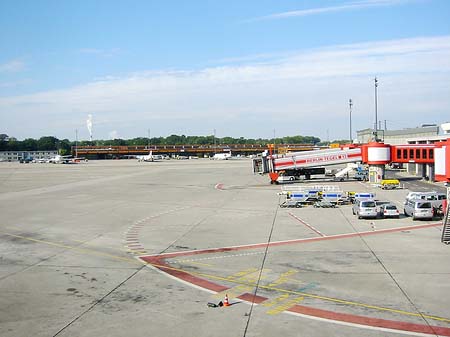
(376, 110)
(76, 143)
(350, 104)
(214, 141)
(273, 141)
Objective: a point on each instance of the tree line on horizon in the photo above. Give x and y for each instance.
(51, 143)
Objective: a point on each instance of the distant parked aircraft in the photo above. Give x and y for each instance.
(150, 157)
(222, 156)
(58, 159)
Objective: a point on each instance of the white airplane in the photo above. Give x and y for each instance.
(222, 156)
(58, 159)
(149, 157)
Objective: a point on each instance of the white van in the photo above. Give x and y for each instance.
(419, 209)
(365, 209)
(436, 198)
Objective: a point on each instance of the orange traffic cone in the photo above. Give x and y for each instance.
(226, 303)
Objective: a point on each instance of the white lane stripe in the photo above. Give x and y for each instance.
(214, 257)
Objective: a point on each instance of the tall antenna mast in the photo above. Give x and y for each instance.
(350, 104)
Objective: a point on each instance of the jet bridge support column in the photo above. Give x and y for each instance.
(442, 173)
(377, 155)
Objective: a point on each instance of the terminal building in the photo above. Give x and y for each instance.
(425, 134)
(20, 155)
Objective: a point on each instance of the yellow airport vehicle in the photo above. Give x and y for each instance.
(389, 184)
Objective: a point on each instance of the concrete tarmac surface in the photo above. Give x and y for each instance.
(123, 248)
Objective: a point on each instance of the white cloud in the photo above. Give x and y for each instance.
(302, 93)
(338, 8)
(12, 66)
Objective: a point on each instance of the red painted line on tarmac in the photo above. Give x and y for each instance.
(160, 264)
(306, 224)
(290, 242)
(375, 322)
(252, 298)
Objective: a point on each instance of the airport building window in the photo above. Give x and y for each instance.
(424, 153)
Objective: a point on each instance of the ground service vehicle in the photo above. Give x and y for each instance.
(362, 175)
(365, 209)
(389, 184)
(291, 203)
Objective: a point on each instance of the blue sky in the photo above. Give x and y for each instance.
(244, 68)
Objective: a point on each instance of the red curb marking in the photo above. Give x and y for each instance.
(375, 322)
(252, 298)
(185, 276)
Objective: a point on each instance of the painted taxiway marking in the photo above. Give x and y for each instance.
(214, 257)
(308, 312)
(306, 224)
(132, 242)
(290, 242)
(199, 280)
(77, 249)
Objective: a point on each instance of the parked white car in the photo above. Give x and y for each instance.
(389, 211)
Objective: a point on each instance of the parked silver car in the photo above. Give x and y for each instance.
(419, 209)
(365, 209)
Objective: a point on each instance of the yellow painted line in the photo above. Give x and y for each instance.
(234, 291)
(275, 301)
(325, 298)
(285, 305)
(237, 281)
(82, 250)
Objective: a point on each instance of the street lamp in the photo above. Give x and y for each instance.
(215, 150)
(350, 104)
(376, 110)
(76, 143)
